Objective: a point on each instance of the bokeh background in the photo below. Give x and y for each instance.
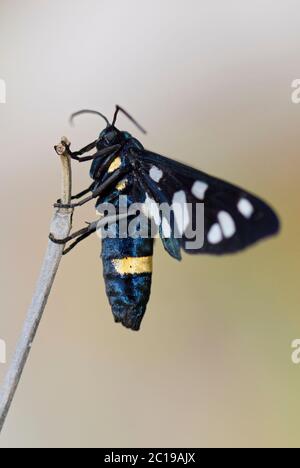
(211, 81)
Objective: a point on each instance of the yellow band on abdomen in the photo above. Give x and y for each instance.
(133, 265)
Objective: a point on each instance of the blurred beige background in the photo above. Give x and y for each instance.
(211, 81)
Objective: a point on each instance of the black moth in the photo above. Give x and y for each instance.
(233, 218)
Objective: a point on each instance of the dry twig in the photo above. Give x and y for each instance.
(60, 228)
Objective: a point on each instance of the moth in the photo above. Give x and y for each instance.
(233, 218)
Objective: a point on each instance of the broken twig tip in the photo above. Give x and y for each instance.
(62, 146)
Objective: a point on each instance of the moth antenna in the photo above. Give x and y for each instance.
(88, 111)
(120, 109)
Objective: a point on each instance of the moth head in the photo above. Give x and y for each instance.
(110, 136)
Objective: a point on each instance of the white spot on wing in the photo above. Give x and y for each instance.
(151, 210)
(214, 235)
(245, 207)
(199, 188)
(155, 174)
(227, 224)
(166, 229)
(181, 211)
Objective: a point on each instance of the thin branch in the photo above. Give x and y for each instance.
(60, 228)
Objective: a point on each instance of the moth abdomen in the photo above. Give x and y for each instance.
(127, 270)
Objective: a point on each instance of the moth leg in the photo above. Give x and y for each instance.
(85, 149)
(111, 155)
(104, 152)
(80, 194)
(85, 232)
(83, 192)
(103, 168)
(110, 182)
(80, 235)
(80, 239)
(74, 235)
